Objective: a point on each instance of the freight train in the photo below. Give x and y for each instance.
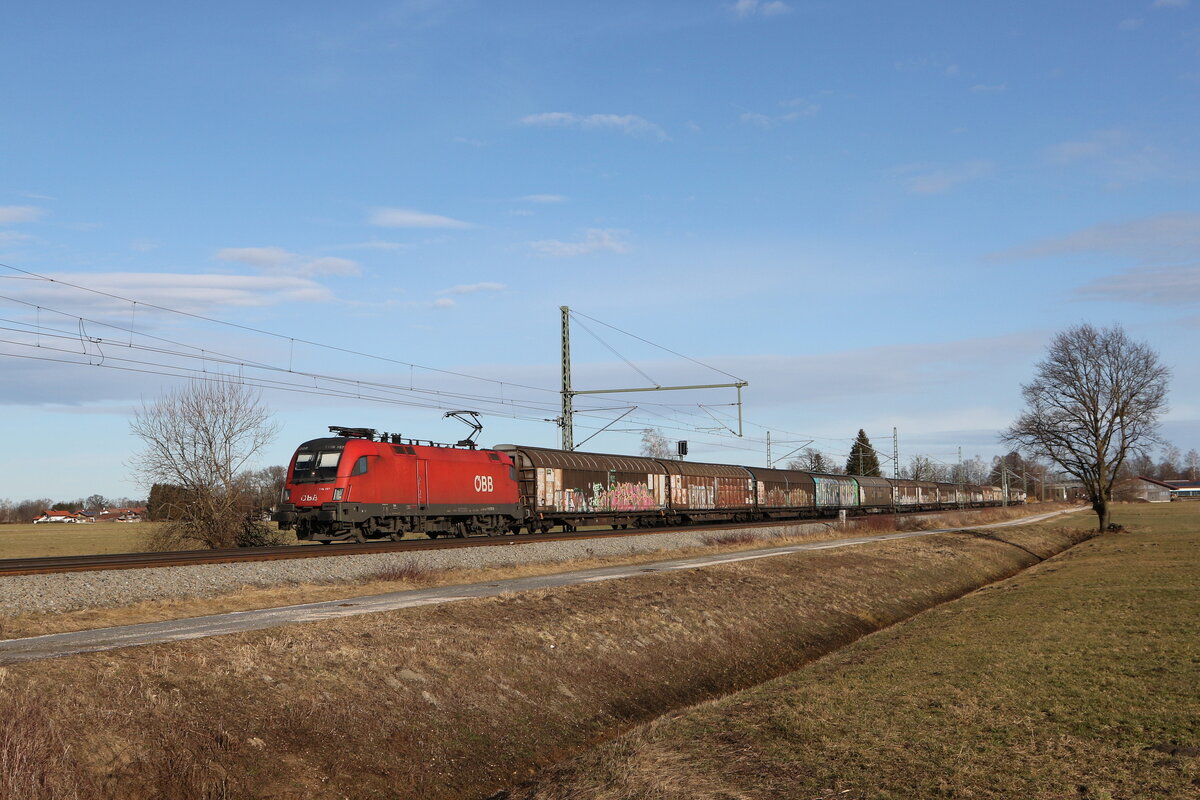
(359, 485)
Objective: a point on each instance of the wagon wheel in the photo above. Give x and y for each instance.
(360, 534)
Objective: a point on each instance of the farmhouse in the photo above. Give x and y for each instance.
(61, 516)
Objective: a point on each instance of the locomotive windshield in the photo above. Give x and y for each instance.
(319, 467)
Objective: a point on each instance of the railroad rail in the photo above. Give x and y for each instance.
(180, 558)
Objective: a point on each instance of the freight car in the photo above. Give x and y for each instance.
(359, 485)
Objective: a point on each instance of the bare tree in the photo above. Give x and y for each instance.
(198, 438)
(811, 460)
(1170, 468)
(1096, 399)
(655, 444)
(923, 468)
(974, 471)
(1192, 463)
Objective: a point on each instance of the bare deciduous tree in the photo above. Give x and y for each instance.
(923, 468)
(655, 444)
(1095, 400)
(811, 460)
(199, 438)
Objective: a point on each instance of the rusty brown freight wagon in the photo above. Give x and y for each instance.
(778, 489)
(564, 487)
(710, 491)
(875, 493)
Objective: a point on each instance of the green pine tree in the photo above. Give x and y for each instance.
(863, 460)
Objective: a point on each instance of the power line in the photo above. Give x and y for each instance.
(260, 331)
(653, 344)
(663, 413)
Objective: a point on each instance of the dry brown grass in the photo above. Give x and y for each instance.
(732, 537)
(459, 701)
(37, 758)
(1076, 678)
(387, 580)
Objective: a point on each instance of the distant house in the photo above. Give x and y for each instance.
(60, 516)
(1148, 490)
(123, 515)
(1185, 490)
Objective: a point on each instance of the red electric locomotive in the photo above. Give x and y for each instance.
(358, 485)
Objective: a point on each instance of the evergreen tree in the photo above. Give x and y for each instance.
(862, 460)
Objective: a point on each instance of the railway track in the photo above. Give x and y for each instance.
(179, 558)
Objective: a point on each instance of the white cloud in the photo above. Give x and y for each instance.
(595, 240)
(374, 244)
(755, 119)
(1113, 154)
(544, 198)
(984, 88)
(14, 214)
(328, 265)
(1097, 144)
(1169, 4)
(924, 180)
(1129, 24)
(143, 245)
(630, 124)
(1165, 237)
(408, 218)
(793, 109)
(185, 292)
(800, 108)
(749, 8)
(261, 257)
(444, 302)
(13, 236)
(472, 288)
(280, 261)
(1160, 286)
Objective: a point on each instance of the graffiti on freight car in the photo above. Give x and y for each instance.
(623, 497)
(618, 497)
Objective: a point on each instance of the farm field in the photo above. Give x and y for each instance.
(1075, 678)
(64, 539)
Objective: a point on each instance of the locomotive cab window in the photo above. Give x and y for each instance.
(360, 466)
(327, 464)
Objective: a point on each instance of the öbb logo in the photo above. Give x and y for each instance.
(483, 483)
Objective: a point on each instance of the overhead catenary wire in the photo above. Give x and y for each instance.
(654, 344)
(681, 417)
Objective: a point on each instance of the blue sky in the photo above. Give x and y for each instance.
(876, 213)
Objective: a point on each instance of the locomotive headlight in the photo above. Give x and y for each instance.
(337, 494)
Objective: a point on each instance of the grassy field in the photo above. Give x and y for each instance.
(62, 539)
(70, 539)
(1076, 679)
(463, 700)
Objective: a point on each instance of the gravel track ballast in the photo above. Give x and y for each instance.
(27, 594)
